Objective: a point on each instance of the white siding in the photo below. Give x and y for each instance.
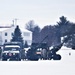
(26, 37)
(8, 37)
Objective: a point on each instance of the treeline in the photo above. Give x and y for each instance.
(63, 29)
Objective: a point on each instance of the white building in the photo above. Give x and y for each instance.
(7, 33)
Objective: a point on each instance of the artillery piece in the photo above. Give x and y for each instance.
(49, 54)
(52, 53)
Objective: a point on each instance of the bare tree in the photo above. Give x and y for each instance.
(30, 25)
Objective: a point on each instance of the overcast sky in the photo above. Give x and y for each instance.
(43, 12)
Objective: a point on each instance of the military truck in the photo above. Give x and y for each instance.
(11, 51)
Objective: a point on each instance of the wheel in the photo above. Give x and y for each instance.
(17, 59)
(33, 58)
(4, 59)
(57, 57)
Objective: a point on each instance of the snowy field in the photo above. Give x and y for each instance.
(65, 66)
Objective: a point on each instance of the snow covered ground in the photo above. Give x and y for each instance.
(65, 66)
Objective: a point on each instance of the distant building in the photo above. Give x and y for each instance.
(6, 34)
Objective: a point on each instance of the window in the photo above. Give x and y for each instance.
(5, 40)
(26, 34)
(5, 34)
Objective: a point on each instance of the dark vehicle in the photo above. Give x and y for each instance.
(11, 50)
(31, 53)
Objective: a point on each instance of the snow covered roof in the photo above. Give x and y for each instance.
(22, 29)
(25, 30)
(3, 29)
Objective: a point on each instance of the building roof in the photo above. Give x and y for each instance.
(25, 30)
(3, 29)
(22, 29)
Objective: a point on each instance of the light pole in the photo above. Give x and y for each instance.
(15, 21)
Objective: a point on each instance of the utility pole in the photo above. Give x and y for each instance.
(15, 21)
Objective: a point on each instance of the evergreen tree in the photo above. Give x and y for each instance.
(17, 35)
(63, 25)
(67, 31)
